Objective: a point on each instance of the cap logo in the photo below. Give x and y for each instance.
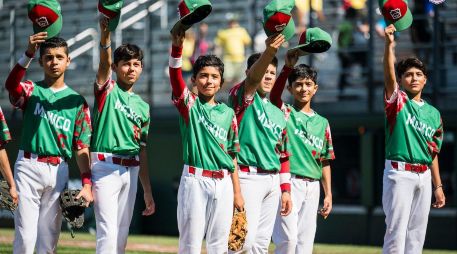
(280, 27)
(395, 13)
(42, 22)
(183, 10)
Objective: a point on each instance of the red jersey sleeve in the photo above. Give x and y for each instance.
(233, 141)
(182, 98)
(101, 91)
(83, 128)
(393, 105)
(19, 92)
(278, 88)
(238, 101)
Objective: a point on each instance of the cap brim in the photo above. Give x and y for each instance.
(52, 30)
(113, 23)
(404, 23)
(318, 46)
(194, 17)
(297, 49)
(288, 31)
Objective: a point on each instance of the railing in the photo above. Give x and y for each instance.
(93, 34)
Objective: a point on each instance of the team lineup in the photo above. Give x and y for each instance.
(258, 161)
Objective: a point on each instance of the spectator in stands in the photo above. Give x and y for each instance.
(202, 45)
(232, 42)
(302, 12)
(354, 33)
(359, 6)
(187, 53)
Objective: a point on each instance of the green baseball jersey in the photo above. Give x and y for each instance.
(209, 133)
(414, 131)
(121, 120)
(5, 135)
(263, 137)
(310, 142)
(55, 121)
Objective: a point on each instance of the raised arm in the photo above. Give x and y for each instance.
(13, 82)
(278, 88)
(255, 74)
(177, 82)
(104, 65)
(390, 81)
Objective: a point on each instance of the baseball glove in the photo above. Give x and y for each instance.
(238, 230)
(72, 209)
(6, 201)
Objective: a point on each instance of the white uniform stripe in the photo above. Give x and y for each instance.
(284, 178)
(24, 61)
(175, 62)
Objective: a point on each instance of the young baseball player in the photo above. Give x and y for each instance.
(119, 144)
(209, 186)
(310, 142)
(263, 158)
(56, 121)
(414, 134)
(5, 168)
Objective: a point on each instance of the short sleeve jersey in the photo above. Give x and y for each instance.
(414, 132)
(209, 133)
(310, 142)
(121, 120)
(55, 121)
(5, 135)
(262, 130)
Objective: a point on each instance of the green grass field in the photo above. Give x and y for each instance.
(157, 244)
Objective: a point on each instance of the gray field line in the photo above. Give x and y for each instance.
(91, 244)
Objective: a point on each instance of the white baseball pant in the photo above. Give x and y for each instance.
(406, 200)
(261, 193)
(295, 233)
(38, 218)
(205, 207)
(114, 190)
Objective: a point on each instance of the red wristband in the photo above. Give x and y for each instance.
(86, 178)
(285, 187)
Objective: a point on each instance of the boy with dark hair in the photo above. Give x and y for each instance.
(5, 168)
(209, 186)
(414, 134)
(119, 144)
(56, 121)
(311, 145)
(263, 148)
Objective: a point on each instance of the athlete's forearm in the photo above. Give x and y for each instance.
(176, 80)
(278, 88)
(326, 179)
(390, 81)
(144, 170)
(105, 57)
(435, 170)
(13, 82)
(255, 74)
(83, 161)
(235, 178)
(284, 174)
(5, 168)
